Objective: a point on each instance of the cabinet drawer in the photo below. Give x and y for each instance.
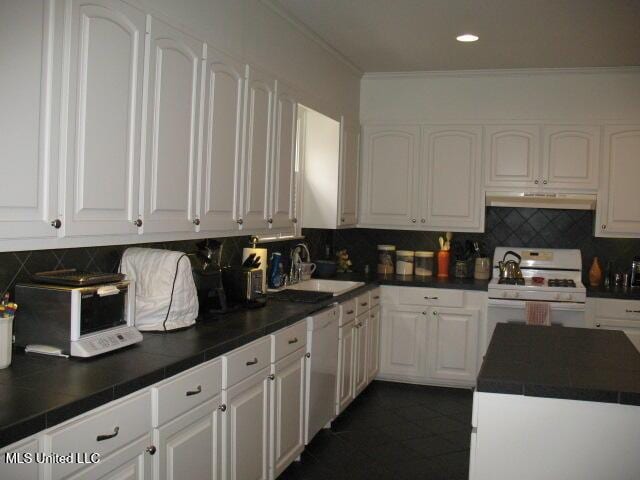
(347, 312)
(102, 432)
(436, 297)
(363, 303)
(245, 361)
(288, 340)
(624, 309)
(375, 297)
(183, 392)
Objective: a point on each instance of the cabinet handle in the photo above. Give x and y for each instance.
(101, 438)
(239, 221)
(424, 313)
(308, 355)
(349, 312)
(293, 340)
(196, 221)
(342, 219)
(270, 220)
(431, 298)
(57, 223)
(598, 325)
(373, 316)
(222, 408)
(252, 362)
(413, 220)
(138, 222)
(294, 220)
(545, 182)
(435, 313)
(151, 450)
(632, 311)
(423, 220)
(194, 392)
(271, 377)
(536, 182)
(364, 304)
(604, 227)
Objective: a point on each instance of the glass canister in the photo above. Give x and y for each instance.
(424, 264)
(404, 262)
(386, 259)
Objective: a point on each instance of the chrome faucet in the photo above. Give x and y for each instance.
(295, 256)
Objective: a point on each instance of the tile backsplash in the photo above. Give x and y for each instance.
(514, 227)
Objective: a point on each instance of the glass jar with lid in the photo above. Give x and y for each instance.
(404, 262)
(386, 259)
(424, 264)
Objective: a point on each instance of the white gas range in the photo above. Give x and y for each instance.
(548, 275)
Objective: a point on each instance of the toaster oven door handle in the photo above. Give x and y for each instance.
(252, 362)
(194, 392)
(293, 340)
(101, 438)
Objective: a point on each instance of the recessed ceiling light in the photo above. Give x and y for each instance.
(467, 37)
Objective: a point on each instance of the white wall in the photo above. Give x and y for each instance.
(253, 32)
(531, 95)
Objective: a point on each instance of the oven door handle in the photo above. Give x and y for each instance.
(520, 304)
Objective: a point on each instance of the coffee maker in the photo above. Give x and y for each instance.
(207, 275)
(635, 272)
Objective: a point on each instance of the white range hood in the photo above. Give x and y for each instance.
(567, 201)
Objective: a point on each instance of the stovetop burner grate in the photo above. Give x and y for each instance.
(511, 281)
(561, 282)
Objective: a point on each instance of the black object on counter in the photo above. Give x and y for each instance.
(300, 296)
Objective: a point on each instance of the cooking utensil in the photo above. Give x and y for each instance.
(249, 260)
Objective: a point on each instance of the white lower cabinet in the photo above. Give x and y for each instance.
(360, 353)
(616, 314)
(21, 451)
(403, 335)
(346, 344)
(373, 344)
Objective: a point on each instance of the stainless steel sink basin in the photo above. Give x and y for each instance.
(337, 287)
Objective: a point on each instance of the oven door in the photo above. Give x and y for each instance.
(566, 314)
(100, 308)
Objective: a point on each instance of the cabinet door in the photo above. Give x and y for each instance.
(618, 205)
(452, 198)
(189, 446)
(348, 192)
(257, 149)
(287, 414)
(403, 334)
(512, 158)
(453, 344)
(18, 452)
(171, 149)
(29, 86)
(630, 328)
(103, 84)
(222, 150)
(282, 181)
(346, 367)
(373, 344)
(360, 354)
(389, 171)
(245, 429)
(571, 157)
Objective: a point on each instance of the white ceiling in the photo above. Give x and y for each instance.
(417, 35)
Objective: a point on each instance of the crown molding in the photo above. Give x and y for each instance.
(507, 72)
(311, 35)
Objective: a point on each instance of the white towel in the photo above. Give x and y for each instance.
(538, 313)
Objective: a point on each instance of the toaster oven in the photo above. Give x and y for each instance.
(78, 321)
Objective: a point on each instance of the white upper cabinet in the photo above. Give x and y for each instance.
(348, 192)
(282, 176)
(511, 155)
(618, 212)
(389, 171)
(570, 157)
(171, 146)
(103, 78)
(260, 92)
(450, 180)
(29, 95)
(222, 143)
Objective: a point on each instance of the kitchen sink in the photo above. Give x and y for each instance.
(337, 287)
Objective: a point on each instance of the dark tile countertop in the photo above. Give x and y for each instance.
(562, 362)
(615, 292)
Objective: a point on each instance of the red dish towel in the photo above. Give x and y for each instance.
(538, 313)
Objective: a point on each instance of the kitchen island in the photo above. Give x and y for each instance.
(557, 403)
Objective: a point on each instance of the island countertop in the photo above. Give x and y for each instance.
(561, 362)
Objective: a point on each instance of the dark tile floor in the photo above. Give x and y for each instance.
(393, 431)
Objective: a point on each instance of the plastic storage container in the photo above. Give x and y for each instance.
(386, 259)
(423, 264)
(404, 262)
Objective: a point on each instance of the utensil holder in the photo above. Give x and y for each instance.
(6, 341)
(443, 263)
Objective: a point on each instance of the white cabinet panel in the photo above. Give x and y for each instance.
(618, 205)
(287, 413)
(15, 453)
(345, 366)
(511, 155)
(453, 343)
(103, 85)
(373, 344)
(348, 192)
(259, 102)
(403, 334)
(222, 150)
(171, 148)
(389, 171)
(245, 429)
(360, 354)
(571, 157)
(630, 327)
(281, 184)
(451, 172)
(29, 83)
